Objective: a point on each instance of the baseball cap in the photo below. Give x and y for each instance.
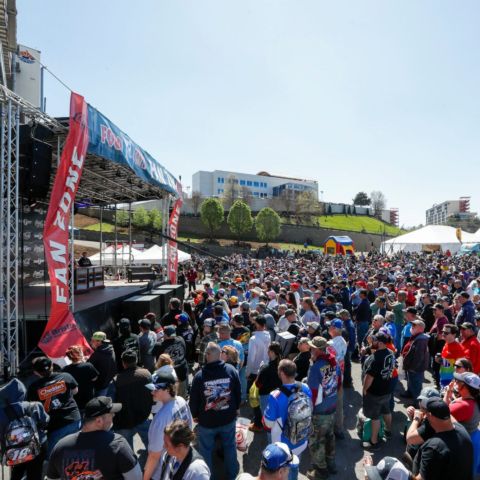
(426, 393)
(209, 322)
(124, 322)
(388, 468)
(238, 318)
(41, 364)
(169, 330)
(245, 306)
(438, 408)
(161, 380)
(419, 323)
(276, 456)
(99, 336)
(467, 325)
(182, 317)
(100, 406)
(318, 342)
(470, 378)
(314, 325)
(336, 323)
(381, 337)
(411, 310)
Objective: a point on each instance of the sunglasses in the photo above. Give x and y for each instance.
(445, 332)
(225, 352)
(458, 366)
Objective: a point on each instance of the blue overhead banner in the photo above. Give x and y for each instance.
(108, 141)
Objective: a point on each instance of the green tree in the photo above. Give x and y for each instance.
(140, 218)
(240, 219)
(211, 214)
(267, 225)
(155, 219)
(361, 199)
(122, 218)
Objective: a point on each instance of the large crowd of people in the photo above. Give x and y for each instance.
(274, 338)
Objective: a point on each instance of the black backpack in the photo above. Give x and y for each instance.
(21, 438)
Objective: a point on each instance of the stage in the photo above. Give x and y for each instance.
(96, 309)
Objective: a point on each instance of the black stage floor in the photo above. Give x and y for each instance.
(34, 304)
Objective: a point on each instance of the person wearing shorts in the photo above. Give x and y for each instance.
(377, 373)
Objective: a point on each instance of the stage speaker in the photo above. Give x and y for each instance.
(35, 162)
(165, 293)
(136, 307)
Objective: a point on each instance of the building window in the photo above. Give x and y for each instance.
(242, 182)
(249, 183)
(256, 194)
(220, 190)
(255, 184)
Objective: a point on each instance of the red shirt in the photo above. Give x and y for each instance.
(472, 351)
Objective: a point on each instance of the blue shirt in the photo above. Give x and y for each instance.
(324, 377)
(392, 329)
(276, 411)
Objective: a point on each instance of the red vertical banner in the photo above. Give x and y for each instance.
(172, 232)
(62, 330)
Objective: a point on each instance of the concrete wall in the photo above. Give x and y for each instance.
(190, 225)
(290, 234)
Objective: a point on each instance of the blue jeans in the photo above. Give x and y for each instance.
(414, 383)
(141, 429)
(243, 382)
(206, 445)
(361, 329)
(263, 407)
(56, 435)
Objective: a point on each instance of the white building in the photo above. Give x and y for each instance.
(439, 213)
(262, 185)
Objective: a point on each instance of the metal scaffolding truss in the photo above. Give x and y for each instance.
(9, 209)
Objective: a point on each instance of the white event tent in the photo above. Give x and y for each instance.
(123, 256)
(154, 255)
(428, 238)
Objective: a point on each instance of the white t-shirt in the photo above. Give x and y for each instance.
(246, 476)
(340, 346)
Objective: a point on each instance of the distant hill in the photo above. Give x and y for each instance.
(352, 223)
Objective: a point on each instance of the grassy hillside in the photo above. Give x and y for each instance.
(356, 223)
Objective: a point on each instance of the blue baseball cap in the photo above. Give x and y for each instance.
(182, 318)
(276, 456)
(336, 323)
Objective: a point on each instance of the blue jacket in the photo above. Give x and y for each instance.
(363, 312)
(350, 328)
(466, 313)
(215, 395)
(14, 394)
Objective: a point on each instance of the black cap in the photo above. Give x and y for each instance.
(381, 337)
(100, 406)
(124, 322)
(438, 408)
(161, 380)
(129, 356)
(465, 294)
(238, 318)
(411, 310)
(41, 364)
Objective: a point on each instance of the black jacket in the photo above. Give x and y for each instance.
(103, 359)
(267, 379)
(215, 395)
(415, 354)
(136, 400)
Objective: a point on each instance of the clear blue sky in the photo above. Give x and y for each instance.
(359, 95)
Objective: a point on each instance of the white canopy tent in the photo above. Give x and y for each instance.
(471, 238)
(124, 255)
(154, 255)
(428, 238)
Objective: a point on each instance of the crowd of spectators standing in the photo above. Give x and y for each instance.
(280, 335)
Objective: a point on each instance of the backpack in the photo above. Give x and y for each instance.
(298, 424)
(21, 438)
(364, 427)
